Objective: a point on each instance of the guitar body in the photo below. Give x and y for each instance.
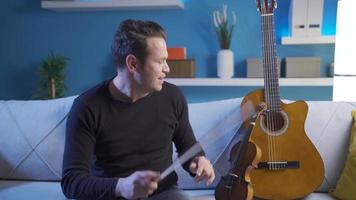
(281, 143)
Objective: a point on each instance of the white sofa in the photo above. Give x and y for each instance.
(32, 143)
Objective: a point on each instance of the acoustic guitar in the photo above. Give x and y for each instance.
(290, 166)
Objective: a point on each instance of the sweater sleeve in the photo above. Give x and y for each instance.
(183, 137)
(77, 182)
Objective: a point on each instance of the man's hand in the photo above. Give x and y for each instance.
(203, 169)
(137, 185)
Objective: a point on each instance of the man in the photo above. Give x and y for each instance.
(119, 134)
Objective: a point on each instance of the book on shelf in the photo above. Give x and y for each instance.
(184, 68)
(176, 53)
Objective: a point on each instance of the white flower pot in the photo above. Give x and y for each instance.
(225, 63)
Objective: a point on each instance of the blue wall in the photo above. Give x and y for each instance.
(28, 33)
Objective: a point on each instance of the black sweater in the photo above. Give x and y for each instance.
(107, 139)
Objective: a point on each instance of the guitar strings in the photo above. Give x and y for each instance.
(274, 100)
(271, 95)
(267, 86)
(272, 88)
(271, 99)
(276, 120)
(265, 72)
(268, 89)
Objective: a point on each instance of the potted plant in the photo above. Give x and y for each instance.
(51, 74)
(224, 30)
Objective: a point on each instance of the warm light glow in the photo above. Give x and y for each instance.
(345, 56)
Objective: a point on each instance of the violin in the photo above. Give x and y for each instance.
(244, 157)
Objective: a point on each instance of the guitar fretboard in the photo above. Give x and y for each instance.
(270, 70)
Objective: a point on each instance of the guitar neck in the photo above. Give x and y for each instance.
(270, 68)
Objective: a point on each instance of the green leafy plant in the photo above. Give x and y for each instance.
(51, 72)
(222, 27)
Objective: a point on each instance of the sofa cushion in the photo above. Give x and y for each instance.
(345, 188)
(328, 127)
(319, 196)
(32, 138)
(209, 195)
(17, 190)
(13, 190)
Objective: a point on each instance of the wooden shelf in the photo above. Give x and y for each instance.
(249, 81)
(76, 5)
(329, 39)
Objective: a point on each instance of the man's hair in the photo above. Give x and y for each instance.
(131, 38)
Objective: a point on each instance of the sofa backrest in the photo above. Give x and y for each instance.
(32, 136)
(328, 125)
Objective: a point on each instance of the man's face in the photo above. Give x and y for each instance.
(152, 74)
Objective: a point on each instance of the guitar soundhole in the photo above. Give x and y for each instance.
(274, 122)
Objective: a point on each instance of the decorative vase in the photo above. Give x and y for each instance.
(225, 63)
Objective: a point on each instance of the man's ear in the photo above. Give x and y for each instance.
(131, 63)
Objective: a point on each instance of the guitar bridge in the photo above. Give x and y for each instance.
(280, 165)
